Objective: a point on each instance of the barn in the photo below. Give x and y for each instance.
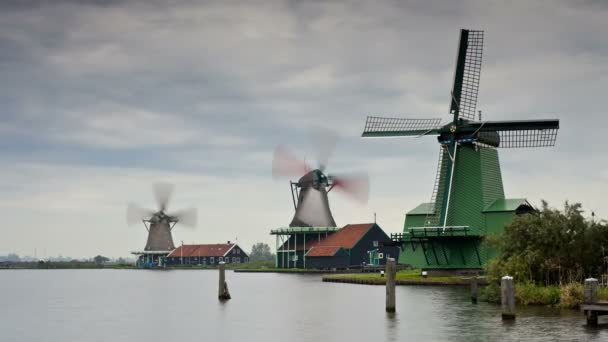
(351, 246)
(210, 254)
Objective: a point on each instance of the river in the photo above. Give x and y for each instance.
(139, 305)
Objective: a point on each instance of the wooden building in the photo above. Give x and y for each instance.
(230, 253)
(353, 245)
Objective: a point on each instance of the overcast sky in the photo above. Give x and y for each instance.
(99, 99)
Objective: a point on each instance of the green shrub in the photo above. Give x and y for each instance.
(531, 294)
(571, 296)
(490, 293)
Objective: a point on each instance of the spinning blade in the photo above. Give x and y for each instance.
(136, 214)
(284, 163)
(162, 193)
(187, 217)
(354, 185)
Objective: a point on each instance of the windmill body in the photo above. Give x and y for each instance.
(312, 208)
(468, 201)
(159, 234)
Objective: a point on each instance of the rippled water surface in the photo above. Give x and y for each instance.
(133, 305)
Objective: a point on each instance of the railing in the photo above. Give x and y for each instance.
(426, 232)
(291, 230)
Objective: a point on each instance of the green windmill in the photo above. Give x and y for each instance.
(468, 201)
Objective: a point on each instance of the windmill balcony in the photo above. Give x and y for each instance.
(416, 233)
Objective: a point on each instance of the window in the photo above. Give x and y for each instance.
(233, 259)
(238, 260)
(238, 251)
(246, 259)
(220, 259)
(376, 243)
(211, 260)
(227, 260)
(204, 260)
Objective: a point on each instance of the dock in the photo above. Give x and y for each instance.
(593, 310)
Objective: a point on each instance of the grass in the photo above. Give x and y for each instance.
(568, 296)
(405, 276)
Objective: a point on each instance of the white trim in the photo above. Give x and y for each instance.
(231, 248)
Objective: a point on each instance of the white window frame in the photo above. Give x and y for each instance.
(375, 243)
(211, 260)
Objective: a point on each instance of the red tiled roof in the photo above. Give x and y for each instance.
(347, 238)
(323, 251)
(219, 249)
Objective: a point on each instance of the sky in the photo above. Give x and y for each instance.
(100, 99)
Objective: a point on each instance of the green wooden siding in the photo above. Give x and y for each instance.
(477, 186)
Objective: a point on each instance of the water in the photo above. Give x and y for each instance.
(138, 305)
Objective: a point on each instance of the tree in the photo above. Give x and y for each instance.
(551, 247)
(100, 259)
(261, 252)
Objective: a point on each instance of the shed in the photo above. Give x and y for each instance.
(209, 254)
(351, 246)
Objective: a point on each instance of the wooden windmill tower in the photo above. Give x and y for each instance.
(468, 201)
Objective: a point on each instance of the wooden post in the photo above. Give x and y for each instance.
(391, 271)
(590, 297)
(474, 290)
(507, 290)
(222, 292)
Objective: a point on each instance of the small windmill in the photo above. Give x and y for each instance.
(160, 224)
(309, 193)
(468, 185)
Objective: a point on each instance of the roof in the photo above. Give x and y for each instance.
(422, 209)
(347, 238)
(507, 204)
(323, 251)
(219, 249)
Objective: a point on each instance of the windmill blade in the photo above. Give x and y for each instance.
(399, 127)
(463, 100)
(187, 217)
(324, 141)
(354, 185)
(162, 194)
(285, 164)
(136, 214)
(513, 134)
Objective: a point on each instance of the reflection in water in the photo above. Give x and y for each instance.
(128, 305)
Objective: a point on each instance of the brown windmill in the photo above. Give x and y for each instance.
(159, 224)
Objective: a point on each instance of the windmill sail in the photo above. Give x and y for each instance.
(399, 127)
(466, 77)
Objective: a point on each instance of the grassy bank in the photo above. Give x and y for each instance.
(406, 277)
(568, 296)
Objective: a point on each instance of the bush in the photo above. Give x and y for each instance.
(532, 294)
(550, 247)
(571, 296)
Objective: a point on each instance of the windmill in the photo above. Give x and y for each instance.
(309, 193)
(160, 224)
(467, 201)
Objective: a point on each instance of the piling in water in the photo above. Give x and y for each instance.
(507, 291)
(391, 271)
(223, 293)
(590, 297)
(474, 290)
